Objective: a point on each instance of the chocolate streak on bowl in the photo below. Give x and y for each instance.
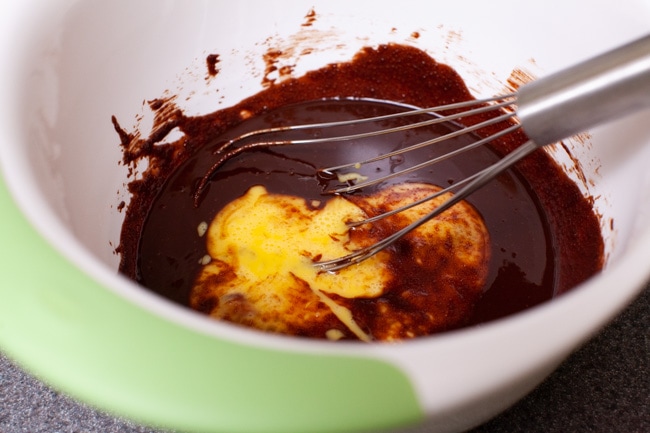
(391, 73)
(211, 61)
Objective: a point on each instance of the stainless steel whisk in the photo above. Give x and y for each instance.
(604, 88)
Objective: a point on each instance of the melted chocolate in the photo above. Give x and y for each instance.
(545, 235)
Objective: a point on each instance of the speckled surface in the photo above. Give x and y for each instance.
(29, 406)
(603, 387)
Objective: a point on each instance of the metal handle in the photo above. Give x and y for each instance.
(573, 100)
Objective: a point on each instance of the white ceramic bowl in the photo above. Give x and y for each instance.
(68, 66)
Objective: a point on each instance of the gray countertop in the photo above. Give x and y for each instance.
(603, 387)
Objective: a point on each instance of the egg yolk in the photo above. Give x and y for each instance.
(262, 248)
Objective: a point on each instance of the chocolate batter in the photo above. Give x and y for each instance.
(545, 235)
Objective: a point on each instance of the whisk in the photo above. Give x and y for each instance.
(604, 88)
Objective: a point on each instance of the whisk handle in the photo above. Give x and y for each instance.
(573, 100)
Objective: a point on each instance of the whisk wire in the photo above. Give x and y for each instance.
(451, 154)
(485, 104)
(227, 151)
(439, 119)
(478, 180)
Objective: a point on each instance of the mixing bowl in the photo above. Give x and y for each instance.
(66, 315)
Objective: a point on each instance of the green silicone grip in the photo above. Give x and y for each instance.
(97, 346)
